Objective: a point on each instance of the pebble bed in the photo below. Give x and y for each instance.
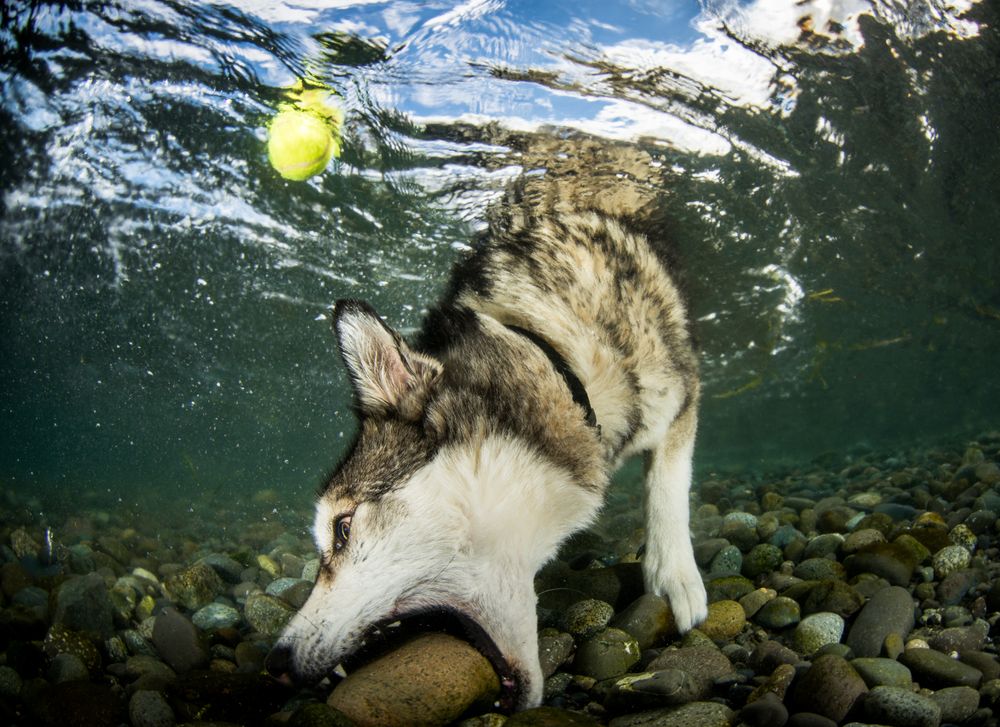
(857, 590)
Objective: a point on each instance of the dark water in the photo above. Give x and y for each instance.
(830, 173)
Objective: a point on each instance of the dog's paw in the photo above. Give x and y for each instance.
(683, 588)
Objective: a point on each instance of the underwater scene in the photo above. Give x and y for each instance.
(188, 187)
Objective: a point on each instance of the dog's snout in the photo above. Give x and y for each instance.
(279, 661)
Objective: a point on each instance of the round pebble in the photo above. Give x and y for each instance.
(430, 680)
(725, 620)
(215, 616)
(150, 709)
(817, 630)
(901, 708)
(950, 559)
(585, 618)
(779, 613)
(607, 654)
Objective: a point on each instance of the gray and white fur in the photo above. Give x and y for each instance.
(475, 459)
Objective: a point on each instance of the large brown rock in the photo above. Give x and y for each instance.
(430, 680)
(830, 687)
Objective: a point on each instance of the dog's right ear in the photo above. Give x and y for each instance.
(388, 376)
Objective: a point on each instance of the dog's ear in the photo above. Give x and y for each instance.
(388, 376)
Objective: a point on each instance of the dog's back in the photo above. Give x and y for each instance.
(602, 296)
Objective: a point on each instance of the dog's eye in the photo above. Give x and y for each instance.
(341, 531)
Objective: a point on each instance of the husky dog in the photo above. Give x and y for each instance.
(561, 348)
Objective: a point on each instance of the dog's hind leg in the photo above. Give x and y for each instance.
(669, 567)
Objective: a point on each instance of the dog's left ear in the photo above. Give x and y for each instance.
(388, 376)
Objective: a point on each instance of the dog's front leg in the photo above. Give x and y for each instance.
(669, 567)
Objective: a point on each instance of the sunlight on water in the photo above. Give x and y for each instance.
(828, 170)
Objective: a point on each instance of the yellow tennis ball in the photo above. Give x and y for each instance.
(300, 144)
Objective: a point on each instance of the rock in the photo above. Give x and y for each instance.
(785, 536)
(817, 630)
(228, 569)
(818, 569)
(950, 559)
(761, 560)
(553, 651)
(213, 696)
(269, 565)
(706, 550)
(293, 591)
(607, 654)
(961, 638)
(292, 565)
(194, 587)
(768, 655)
(67, 668)
(879, 672)
(310, 571)
(115, 548)
(549, 717)
(667, 687)
(559, 586)
(215, 616)
(901, 708)
(316, 714)
(648, 619)
(727, 561)
(267, 614)
(725, 620)
(695, 714)
(778, 613)
(833, 519)
(704, 664)
(179, 642)
(861, 539)
(10, 682)
(740, 529)
(150, 709)
(957, 703)
(954, 586)
(823, 545)
(834, 596)
(586, 618)
(249, 658)
(830, 687)
(137, 644)
(76, 704)
(768, 711)
(430, 680)
(777, 683)
(891, 561)
(60, 640)
(889, 611)
(962, 535)
(755, 600)
(124, 599)
(936, 670)
(83, 604)
(138, 667)
(986, 663)
(810, 719)
(728, 588)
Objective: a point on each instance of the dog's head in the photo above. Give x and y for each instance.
(418, 519)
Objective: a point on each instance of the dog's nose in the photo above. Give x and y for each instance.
(279, 661)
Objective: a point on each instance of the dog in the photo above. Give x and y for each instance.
(561, 347)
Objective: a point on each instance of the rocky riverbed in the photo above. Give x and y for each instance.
(858, 589)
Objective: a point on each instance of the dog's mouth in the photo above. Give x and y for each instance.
(385, 637)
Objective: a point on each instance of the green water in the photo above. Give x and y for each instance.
(831, 181)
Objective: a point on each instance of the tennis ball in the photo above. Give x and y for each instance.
(300, 144)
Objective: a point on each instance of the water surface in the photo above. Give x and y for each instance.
(829, 172)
